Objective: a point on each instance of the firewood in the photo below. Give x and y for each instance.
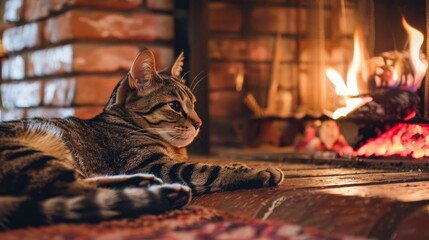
(388, 106)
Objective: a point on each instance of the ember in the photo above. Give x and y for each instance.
(401, 140)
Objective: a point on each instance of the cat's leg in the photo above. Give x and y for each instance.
(212, 178)
(204, 178)
(124, 180)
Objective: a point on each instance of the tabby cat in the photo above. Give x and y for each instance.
(128, 160)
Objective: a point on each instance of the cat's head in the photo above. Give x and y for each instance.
(158, 102)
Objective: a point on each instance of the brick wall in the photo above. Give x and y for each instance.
(241, 47)
(64, 57)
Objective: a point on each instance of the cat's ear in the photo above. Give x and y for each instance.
(143, 75)
(176, 69)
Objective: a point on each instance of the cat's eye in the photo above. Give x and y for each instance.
(175, 105)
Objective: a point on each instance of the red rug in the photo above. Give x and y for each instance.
(189, 223)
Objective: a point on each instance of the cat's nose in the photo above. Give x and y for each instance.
(196, 124)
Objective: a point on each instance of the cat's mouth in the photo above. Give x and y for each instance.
(180, 139)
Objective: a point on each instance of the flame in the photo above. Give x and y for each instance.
(416, 41)
(351, 90)
(354, 67)
(340, 87)
(396, 73)
(351, 104)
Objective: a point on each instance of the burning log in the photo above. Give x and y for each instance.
(393, 70)
(393, 105)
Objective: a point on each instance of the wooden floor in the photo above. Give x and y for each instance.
(377, 203)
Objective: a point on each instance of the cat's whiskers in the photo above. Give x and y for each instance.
(193, 80)
(146, 131)
(184, 76)
(191, 86)
(156, 131)
(196, 84)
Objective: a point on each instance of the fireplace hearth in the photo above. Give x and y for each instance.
(328, 157)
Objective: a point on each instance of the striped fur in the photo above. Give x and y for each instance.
(129, 160)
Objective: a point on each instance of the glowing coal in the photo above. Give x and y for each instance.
(404, 139)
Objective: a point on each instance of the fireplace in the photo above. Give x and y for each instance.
(273, 66)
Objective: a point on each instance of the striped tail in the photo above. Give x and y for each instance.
(96, 205)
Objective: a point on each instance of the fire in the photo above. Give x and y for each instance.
(419, 65)
(350, 92)
(397, 71)
(351, 104)
(401, 140)
(396, 77)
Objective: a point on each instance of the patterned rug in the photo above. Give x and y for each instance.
(190, 223)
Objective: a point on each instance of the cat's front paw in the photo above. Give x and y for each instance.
(271, 176)
(173, 195)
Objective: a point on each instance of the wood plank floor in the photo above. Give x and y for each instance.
(377, 203)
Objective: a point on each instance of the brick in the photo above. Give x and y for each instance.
(81, 58)
(21, 94)
(50, 61)
(302, 20)
(81, 90)
(59, 92)
(255, 72)
(96, 25)
(225, 104)
(25, 36)
(58, 5)
(12, 114)
(87, 112)
(254, 48)
(94, 90)
(49, 112)
(223, 132)
(36, 9)
(164, 56)
(99, 58)
(13, 11)
(160, 4)
(80, 112)
(336, 52)
(224, 76)
(13, 67)
(224, 17)
(274, 19)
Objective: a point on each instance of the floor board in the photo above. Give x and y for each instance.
(379, 203)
